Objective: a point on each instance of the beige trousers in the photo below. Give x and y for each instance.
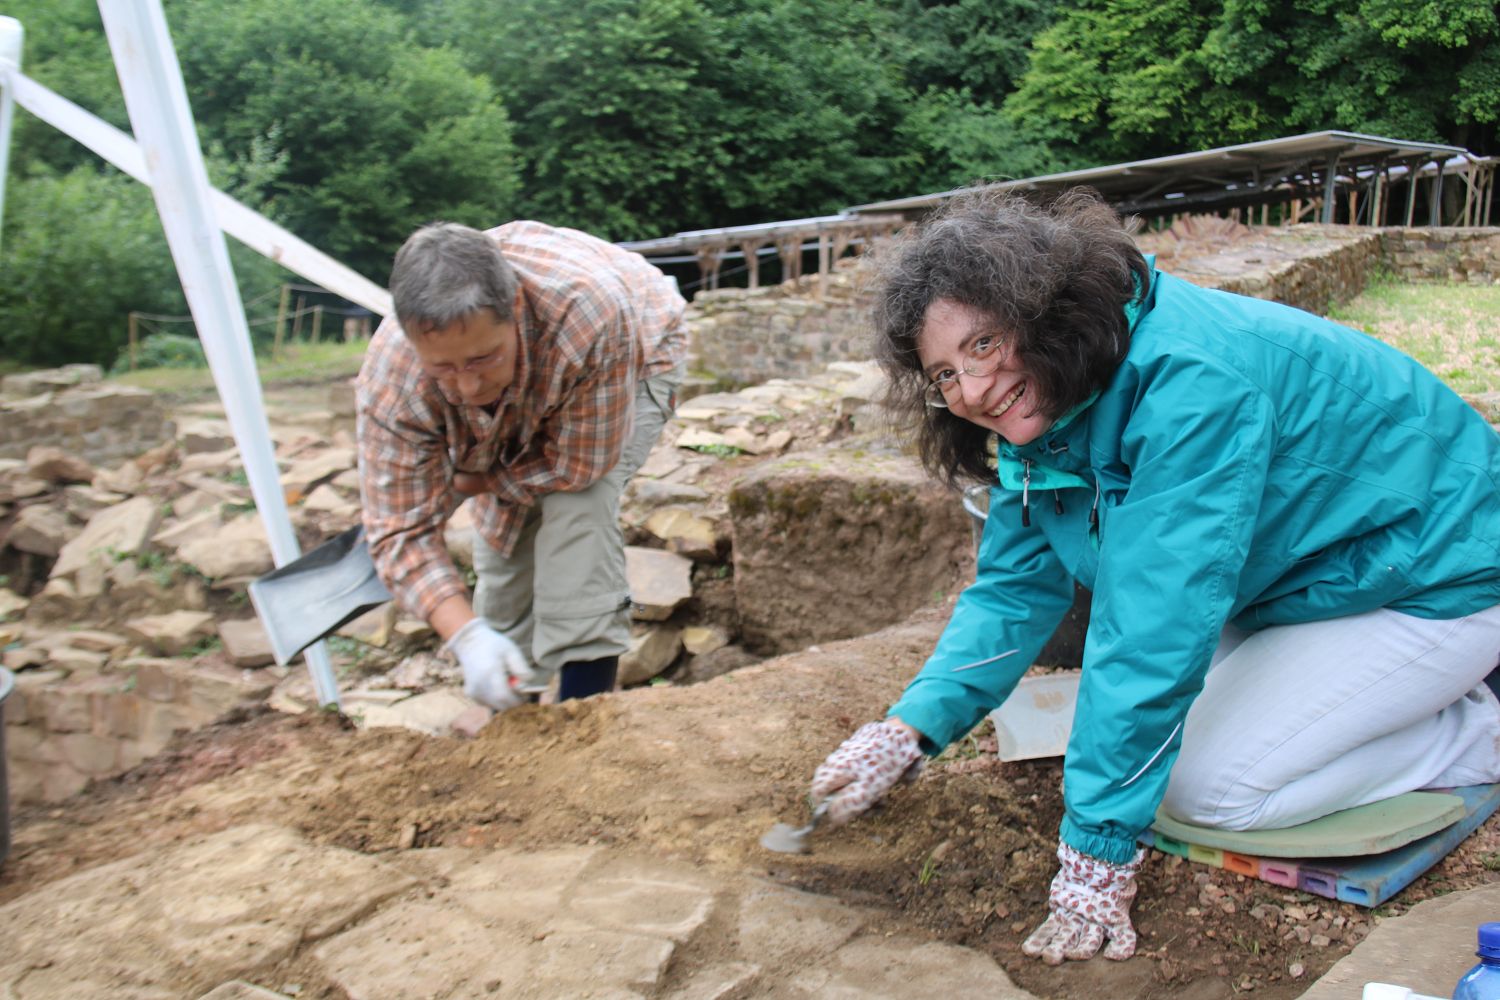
(562, 595)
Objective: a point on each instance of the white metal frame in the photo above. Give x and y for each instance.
(165, 156)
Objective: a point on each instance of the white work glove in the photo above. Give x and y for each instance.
(1090, 901)
(493, 665)
(864, 768)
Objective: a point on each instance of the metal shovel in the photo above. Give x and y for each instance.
(310, 597)
(787, 839)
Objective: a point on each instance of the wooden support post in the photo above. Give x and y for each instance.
(824, 264)
(1435, 209)
(709, 259)
(131, 341)
(297, 318)
(1411, 193)
(1330, 187)
(317, 322)
(1489, 193)
(790, 251)
(751, 250)
(286, 293)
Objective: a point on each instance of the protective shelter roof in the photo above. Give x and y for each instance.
(1246, 174)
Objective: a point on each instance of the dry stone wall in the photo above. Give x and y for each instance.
(747, 336)
(72, 409)
(1470, 256)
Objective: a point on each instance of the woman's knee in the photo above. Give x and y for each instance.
(1203, 795)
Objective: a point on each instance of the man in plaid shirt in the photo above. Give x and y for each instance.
(533, 368)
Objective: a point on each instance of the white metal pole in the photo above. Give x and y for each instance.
(244, 224)
(12, 35)
(156, 99)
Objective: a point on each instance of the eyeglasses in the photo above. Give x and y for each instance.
(470, 367)
(984, 358)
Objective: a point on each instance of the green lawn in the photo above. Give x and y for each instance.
(1452, 329)
(296, 363)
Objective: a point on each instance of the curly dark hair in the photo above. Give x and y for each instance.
(1053, 278)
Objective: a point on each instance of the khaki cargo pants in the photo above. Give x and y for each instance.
(562, 595)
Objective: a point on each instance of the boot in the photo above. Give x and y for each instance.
(587, 677)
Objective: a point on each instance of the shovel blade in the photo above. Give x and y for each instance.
(310, 597)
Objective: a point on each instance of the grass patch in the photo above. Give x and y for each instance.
(1449, 328)
(296, 363)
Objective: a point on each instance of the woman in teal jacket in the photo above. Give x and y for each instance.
(1291, 533)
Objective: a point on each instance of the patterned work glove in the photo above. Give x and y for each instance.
(864, 768)
(1090, 901)
(493, 665)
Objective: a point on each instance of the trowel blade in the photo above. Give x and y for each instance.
(784, 838)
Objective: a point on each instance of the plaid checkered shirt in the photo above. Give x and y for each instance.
(595, 321)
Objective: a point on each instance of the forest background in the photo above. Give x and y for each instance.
(350, 122)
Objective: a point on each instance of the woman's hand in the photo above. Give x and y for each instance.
(865, 767)
(1090, 901)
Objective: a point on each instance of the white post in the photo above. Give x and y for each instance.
(12, 35)
(163, 123)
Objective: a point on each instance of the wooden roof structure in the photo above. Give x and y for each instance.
(1320, 176)
(1317, 166)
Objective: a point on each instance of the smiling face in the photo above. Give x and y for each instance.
(473, 359)
(1003, 401)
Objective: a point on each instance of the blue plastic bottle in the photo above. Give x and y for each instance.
(1483, 981)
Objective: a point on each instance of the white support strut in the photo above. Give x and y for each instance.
(168, 143)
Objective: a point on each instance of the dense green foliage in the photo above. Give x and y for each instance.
(351, 122)
(1125, 79)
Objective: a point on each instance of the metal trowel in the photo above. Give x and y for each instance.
(785, 838)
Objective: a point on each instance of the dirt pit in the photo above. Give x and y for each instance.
(698, 773)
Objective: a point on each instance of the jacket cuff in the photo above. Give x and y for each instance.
(1115, 850)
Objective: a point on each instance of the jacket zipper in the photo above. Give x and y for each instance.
(1025, 492)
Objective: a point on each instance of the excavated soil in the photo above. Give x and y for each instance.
(698, 773)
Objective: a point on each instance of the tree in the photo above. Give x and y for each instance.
(1127, 79)
(351, 132)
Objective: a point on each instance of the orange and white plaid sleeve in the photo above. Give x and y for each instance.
(404, 479)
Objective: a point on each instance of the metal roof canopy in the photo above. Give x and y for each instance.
(1246, 174)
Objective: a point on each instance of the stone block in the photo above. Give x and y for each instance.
(246, 642)
(68, 707)
(650, 652)
(61, 781)
(241, 990)
(239, 548)
(12, 604)
(121, 530)
(634, 961)
(92, 755)
(171, 633)
(214, 689)
(160, 722)
(40, 529)
(158, 679)
(118, 714)
(659, 581)
(55, 465)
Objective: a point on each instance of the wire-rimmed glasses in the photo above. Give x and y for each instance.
(984, 358)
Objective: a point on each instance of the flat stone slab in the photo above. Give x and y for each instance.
(1425, 949)
(176, 920)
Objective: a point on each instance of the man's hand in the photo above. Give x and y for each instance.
(864, 768)
(493, 665)
(1090, 901)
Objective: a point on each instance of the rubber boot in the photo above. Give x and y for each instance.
(587, 677)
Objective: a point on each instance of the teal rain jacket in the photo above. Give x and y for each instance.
(1248, 462)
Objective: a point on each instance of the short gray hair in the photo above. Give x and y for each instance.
(445, 272)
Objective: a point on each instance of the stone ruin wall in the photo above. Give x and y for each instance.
(746, 336)
(72, 409)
